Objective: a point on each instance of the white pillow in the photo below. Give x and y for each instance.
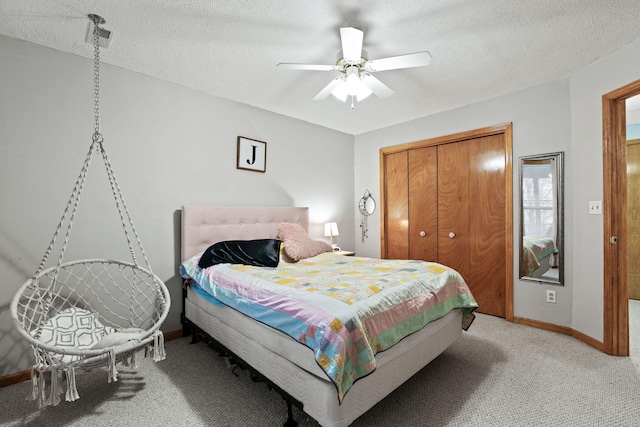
(119, 337)
(73, 328)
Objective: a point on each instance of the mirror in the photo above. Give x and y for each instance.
(541, 218)
(367, 206)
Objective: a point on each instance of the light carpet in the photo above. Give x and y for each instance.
(497, 374)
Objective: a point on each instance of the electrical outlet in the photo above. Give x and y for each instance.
(551, 297)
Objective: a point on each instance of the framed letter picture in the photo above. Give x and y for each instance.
(252, 154)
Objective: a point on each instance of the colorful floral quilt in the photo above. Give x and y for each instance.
(533, 250)
(346, 309)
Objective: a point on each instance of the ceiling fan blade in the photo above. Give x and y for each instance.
(351, 43)
(328, 88)
(379, 88)
(418, 59)
(308, 67)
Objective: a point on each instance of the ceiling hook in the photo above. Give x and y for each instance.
(96, 19)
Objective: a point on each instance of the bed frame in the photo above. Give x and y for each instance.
(286, 365)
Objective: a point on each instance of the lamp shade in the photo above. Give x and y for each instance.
(331, 229)
(351, 85)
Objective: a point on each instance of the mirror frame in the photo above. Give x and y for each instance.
(365, 203)
(367, 207)
(559, 157)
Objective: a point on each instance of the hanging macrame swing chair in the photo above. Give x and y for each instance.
(91, 313)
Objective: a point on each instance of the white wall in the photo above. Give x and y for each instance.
(587, 87)
(169, 146)
(559, 116)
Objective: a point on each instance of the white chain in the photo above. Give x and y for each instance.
(96, 79)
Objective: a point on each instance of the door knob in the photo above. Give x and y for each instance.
(422, 234)
(452, 235)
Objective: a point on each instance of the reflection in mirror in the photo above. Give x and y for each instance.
(541, 218)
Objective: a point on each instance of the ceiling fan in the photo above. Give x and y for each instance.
(355, 67)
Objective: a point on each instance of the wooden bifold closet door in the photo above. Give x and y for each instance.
(446, 201)
(633, 217)
(423, 203)
(453, 207)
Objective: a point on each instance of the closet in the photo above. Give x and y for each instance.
(449, 200)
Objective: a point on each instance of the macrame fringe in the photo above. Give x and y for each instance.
(158, 346)
(111, 365)
(55, 389)
(130, 359)
(34, 385)
(133, 362)
(72, 392)
(126, 360)
(39, 386)
(42, 387)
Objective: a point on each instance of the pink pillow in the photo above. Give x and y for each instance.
(297, 244)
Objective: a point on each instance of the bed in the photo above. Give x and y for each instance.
(537, 255)
(289, 367)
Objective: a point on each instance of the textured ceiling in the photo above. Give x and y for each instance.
(480, 49)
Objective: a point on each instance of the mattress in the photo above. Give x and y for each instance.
(291, 366)
(267, 337)
(347, 309)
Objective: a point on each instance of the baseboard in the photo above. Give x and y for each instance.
(589, 340)
(16, 378)
(562, 330)
(168, 336)
(19, 377)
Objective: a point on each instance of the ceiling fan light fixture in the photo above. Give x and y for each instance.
(363, 92)
(356, 87)
(353, 83)
(340, 92)
(351, 86)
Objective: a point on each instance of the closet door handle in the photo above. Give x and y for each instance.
(422, 233)
(452, 235)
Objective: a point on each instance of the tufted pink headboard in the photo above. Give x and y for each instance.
(202, 226)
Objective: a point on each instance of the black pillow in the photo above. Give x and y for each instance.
(260, 253)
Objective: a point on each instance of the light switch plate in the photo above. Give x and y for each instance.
(595, 207)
